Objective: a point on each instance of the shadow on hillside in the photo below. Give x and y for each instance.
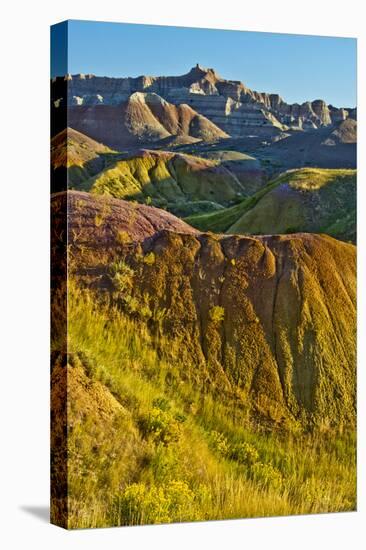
(78, 176)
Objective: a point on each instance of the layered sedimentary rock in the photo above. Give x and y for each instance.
(141, 118)
(346, 132)
(100, 220)
(233, 107)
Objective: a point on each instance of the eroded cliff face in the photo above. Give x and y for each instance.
(272, 317)
(234, 108)
(270, 320)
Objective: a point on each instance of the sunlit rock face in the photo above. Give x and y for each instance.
(236, 109)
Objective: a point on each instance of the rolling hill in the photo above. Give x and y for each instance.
(181, 183)
(308, 199)
(75, 158)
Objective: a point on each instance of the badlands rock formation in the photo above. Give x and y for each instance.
(142, 118)
(228, 104)
(259, 316)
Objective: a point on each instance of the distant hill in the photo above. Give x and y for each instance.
(143, 118)
(228, 104)
(329, 147)
(308, 199)
(346, 132)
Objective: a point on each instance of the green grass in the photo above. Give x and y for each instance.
(183, 184)
(220, 221)
(312, 200)
(147, 444)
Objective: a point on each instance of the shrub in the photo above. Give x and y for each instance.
(217, 314)
(149, 259)
(219, 443)
(122, 276)
(122, 237)
(161, 426)
(266, 475)
(244, 453)
(181, 499)
(132, 303)
(139, 503)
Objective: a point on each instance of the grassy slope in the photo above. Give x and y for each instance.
(146, 446)
(181, 183)
(219, 222)
(308, 199)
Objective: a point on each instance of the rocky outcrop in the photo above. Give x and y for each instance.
(273, 316)
(345, 132)
(236, 109)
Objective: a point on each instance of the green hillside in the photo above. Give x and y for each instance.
(307, 199)
(183, 184)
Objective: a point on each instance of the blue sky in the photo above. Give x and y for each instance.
(298, 67)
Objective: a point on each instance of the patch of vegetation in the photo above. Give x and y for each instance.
(140, 504)
(266, 475)
(245, 453)
(190, 208)
(122, 276)
(217, 314)
(161, 425)
(123, 237)
(149, 258)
